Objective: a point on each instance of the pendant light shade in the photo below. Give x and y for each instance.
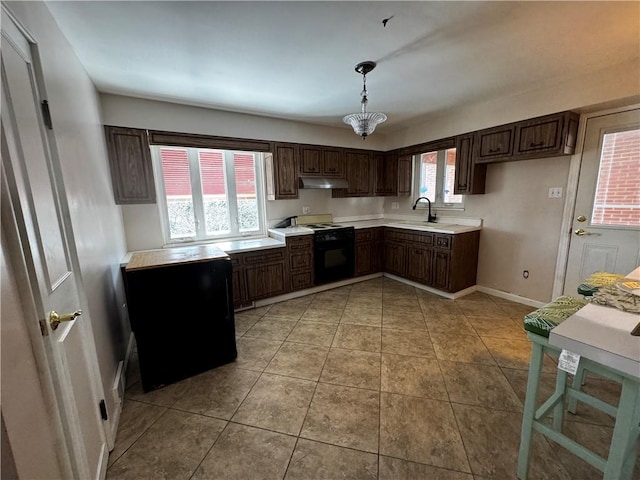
(364, 123)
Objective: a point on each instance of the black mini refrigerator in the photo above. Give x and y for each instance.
(182, 319)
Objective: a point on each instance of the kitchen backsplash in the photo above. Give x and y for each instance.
(320, 201)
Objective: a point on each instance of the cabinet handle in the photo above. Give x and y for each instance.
(536, 145)
(494, 150)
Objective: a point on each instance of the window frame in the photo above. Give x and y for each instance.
(441, 166)
(197, 196)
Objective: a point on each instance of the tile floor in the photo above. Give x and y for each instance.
(376, 380)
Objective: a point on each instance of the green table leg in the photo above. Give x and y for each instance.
(533, 382)
(625, 433)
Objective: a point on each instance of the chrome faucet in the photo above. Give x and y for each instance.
(430, 218)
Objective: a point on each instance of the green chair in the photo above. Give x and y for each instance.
(621, 460)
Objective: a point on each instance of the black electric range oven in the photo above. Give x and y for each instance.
(333, 253)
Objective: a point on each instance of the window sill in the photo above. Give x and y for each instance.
(213, 241)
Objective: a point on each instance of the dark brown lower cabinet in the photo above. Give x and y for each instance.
(395, 258)
(442, 261)
(440, 269)
(258, 275)
(419, 264)
(369, 250)
(300, 257)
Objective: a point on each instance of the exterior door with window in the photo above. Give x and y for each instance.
(606, 223)
(33, 206)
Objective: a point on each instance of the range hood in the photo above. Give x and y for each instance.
(315, 182)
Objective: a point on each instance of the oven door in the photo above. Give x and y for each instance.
(333, 260)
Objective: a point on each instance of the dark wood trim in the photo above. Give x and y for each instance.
(157, 137)
(440, 144)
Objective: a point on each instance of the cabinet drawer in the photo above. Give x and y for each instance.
(363, 235)
(300, 243)
(426, 239)
(443, 242)
(301, 280)
(268, 256)
(495, 144)
(301, 261)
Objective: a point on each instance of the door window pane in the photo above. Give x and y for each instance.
(449, 177)
(617, 199)
(246, 192)
(214, 192)
(177, 186)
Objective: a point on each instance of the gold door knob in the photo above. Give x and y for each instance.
(55, 319)
(581, 218)
(581, 232)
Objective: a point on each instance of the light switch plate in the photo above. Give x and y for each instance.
(306, 210)
(555, 192)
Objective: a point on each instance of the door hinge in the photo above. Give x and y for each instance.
(46, 114)
(103, 410)
(43, 327)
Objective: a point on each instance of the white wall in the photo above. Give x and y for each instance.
(96, 220)
(142, 222)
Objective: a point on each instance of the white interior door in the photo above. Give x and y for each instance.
(606, 223)
(37, 197)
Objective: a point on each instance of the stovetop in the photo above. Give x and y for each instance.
(322, 226)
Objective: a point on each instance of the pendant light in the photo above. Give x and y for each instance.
(364, 123)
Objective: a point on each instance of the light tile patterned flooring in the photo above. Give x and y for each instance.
(376, 380)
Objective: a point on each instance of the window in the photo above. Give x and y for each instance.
(209, 194)
(617, 199)
(436, 176)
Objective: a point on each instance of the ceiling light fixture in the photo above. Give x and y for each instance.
(364, 123)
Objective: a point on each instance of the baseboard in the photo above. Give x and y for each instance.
(309, 291)
(117, 391)
(510, 296)
(440, 293)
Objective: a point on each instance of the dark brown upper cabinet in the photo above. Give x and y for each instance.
(282, 172)
(386, 174)
(318, 161)
(130, 163)
(494, 144)
(405, 175)
(359, 174)
(546, 136)
(470, 176)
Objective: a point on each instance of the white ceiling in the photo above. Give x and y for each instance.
(295, 60)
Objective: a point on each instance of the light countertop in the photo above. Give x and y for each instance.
(173, 256)
(449, 225)
(278, 236)
(601, 334)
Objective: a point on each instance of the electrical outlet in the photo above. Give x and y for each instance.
(395, 205)
(555, 192)
(306, 210)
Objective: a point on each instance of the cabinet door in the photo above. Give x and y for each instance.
(332, 163)
(547, 136)
(310, 161)
(495, 144)
(358, 169)
(470, 177)
(386, 174)
(130, 163)
(265, 280)
(405, 175)
(363, 259)
(239, 289)
(394, 258)
(440, 277)
(419, 264)
(285, 164)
